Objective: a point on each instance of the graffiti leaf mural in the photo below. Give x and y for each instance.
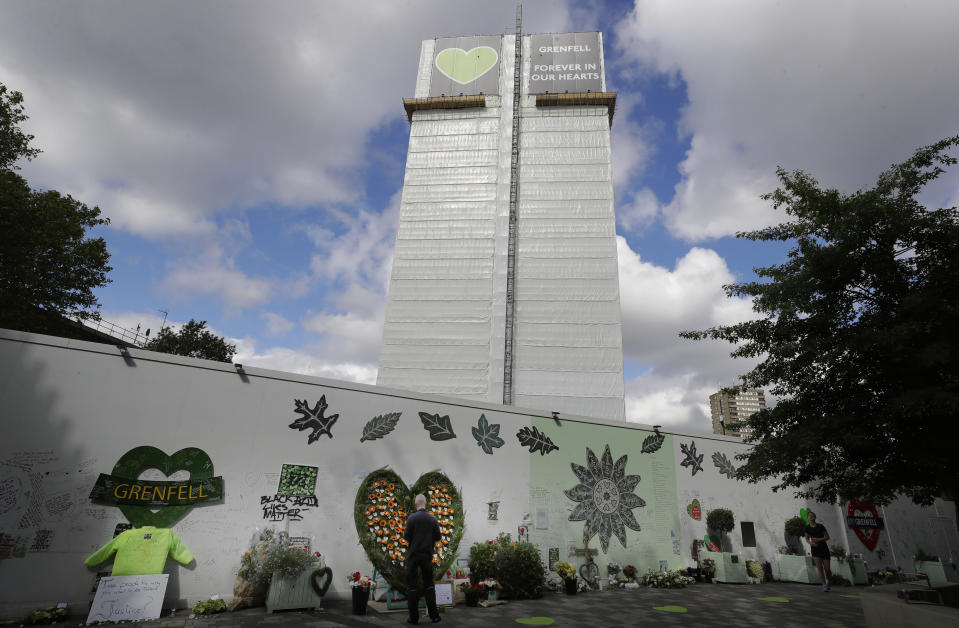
(439, 427)
(380, 426)
(653, 442)
(691, 459)
(535, 440)
(724, 465)
(605, 498)
(486, 435)
(313, 419)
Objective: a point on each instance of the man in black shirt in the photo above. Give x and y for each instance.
(422, 533)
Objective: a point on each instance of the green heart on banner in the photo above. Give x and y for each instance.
(694, 510)
(804, 514)
(465, 67)
(712, 543)
(134, 462)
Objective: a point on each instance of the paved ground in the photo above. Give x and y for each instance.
(728, 606)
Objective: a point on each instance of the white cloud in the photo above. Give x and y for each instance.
(841, 90)
(305, 361)
(639, 212)
(230, 285)
(657, 304)
(168, 114)
(276, 324)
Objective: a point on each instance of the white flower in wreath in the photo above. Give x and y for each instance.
(606, 498)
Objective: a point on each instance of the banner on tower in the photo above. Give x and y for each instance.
(565, 62)
(466, 66)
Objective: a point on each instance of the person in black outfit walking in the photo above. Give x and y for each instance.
(817, 536)
(422, 533)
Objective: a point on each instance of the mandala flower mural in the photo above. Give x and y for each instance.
(605, 496)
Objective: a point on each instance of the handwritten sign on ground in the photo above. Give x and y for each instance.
(444, 592)
(128, 598)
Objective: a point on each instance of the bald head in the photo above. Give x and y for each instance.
(420, 502)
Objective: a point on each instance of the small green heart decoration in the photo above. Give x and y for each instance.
(804, 514)
(134, 462)
(694, 510)
(465, 67)
(712, 543)
(536, 621)
(316, 576)
(670, 609)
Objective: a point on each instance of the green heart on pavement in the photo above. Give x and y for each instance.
(536, 621)
(670, 609)
(773, 599)
(137, 460)
(465, 67)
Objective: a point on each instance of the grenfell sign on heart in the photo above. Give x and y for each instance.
(135, 497)
(466, 65)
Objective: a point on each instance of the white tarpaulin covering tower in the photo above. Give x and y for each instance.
(505, 285)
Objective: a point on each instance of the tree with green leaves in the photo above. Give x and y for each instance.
(721, 520)
(192, 340)
(857, 339)
(49, 266)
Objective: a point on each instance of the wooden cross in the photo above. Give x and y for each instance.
(585, 551)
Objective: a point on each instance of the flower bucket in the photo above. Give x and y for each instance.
(570, 584)
(492, 594)
(472, 599)
(360, 597)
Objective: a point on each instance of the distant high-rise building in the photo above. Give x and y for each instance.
(729, 413)
(505, 284)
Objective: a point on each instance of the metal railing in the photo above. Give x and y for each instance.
(131, 336)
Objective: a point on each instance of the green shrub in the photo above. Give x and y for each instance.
(483, 559)
(520, 570)
(721, 520)
(795, 526)
(45, 616)
(208, 607)
(839, 580)
(924, 557)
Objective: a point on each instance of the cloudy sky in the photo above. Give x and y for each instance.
(250, 154)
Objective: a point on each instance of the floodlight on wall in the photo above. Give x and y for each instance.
(556, 417)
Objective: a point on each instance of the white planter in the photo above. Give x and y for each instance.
(797, 569)
(936, 571)
(855, 575)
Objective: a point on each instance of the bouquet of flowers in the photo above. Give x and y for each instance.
(629, 572)
(675, 579)
(359, 581)
(565, 570)
(613, 569)
(490, 583)
(709, 565)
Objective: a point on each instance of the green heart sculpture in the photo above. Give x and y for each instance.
(137, 460)
(465, 67)
(712, 543)
(694, 510)
(804, 514)
(383, 501)
(321, 589)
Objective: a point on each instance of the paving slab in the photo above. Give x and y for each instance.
(780, 605)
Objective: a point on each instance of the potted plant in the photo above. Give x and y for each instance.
(567, 572)
(360, 586)
(612, 571)
(471, 592)
(492, 588)
(722, 521)
(795, 528)
(708, 565)
(934, 568)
